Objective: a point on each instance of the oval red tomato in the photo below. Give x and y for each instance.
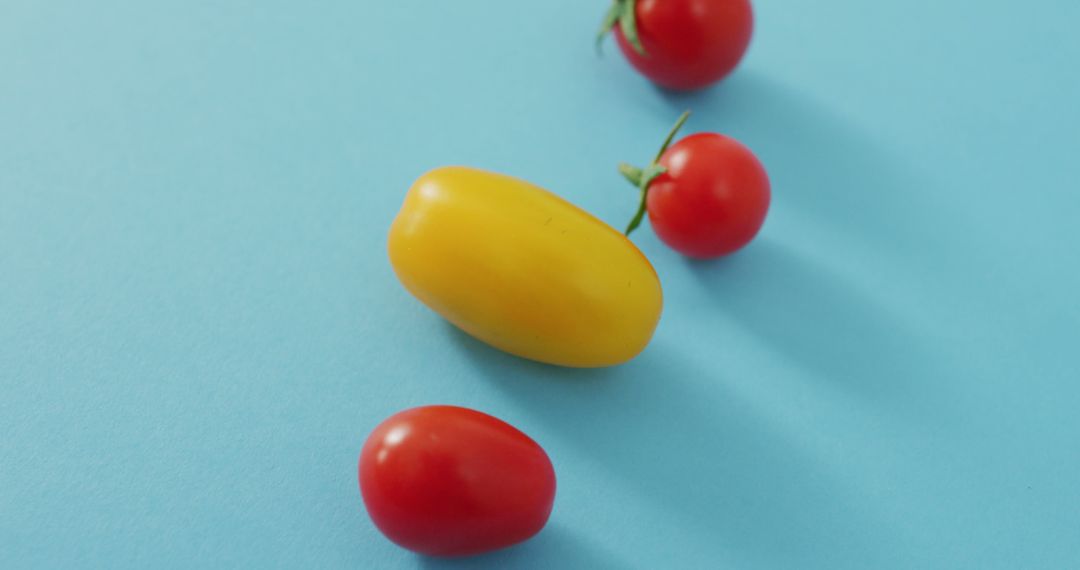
(686, 44)
(450, 481)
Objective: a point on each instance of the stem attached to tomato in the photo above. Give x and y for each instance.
(642, 178)
(624, 12)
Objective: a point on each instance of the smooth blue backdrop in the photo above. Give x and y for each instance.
(199, 325)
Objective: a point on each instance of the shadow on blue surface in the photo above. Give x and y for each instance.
(828, 328)
(819, 162)
(658, 426)
(554, 547)
(851, 185)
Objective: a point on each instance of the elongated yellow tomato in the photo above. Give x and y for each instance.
(524, 270)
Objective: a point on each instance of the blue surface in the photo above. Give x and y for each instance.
(199, 325)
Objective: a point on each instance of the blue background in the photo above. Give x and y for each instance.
(199, 324)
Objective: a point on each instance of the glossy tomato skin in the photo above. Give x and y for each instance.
(689, 44)
(451, 481)
(713, 198)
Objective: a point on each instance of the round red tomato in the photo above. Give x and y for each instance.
(685, 44)
(450, 481)
(712, 199)
(707, 195)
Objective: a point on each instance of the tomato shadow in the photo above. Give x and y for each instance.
(868, 213)
(674, 435)
(832, 330)
(821, 164)
(554, 547)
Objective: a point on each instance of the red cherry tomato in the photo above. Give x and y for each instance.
(713, 198)
(450, 481)
(687, 44)
(707, 195)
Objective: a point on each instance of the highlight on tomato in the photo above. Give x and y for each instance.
(707, 195)
(523, 270)
(681, 44)
(451, 481)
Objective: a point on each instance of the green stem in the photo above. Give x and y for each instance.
(642, 178)
(606, 26)
(624, 13)
(630, 173)
(639, 215)
(671, 135)
(628, 25)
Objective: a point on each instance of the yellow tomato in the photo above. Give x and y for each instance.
(524, 270)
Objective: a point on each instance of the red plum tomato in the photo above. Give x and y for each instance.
(451, 481)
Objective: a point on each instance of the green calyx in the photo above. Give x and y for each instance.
(641, 178)
(623, 13)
